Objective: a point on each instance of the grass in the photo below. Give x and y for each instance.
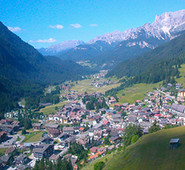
(181, 80)
(2, 151)
(84, 85)
(51, 109)
(152, 152)
(18, 138)
(136, 92)
(33, 137)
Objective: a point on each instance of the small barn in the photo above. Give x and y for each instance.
(174, 143)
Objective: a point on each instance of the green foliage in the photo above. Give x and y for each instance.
(23, 131)
(106, 140)
(134, 138)
(93, 103)
(154, 128)
(131, 134)
(77, 149)
(99, 165)
(45, 164)
(170, 126)
(24, 72)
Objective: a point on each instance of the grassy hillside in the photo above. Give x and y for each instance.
(181, 80)
(51, 109)
(152, 152)
(136, 92)
(84, 85)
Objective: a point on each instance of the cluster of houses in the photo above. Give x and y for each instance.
(97, 132)
(100, 83)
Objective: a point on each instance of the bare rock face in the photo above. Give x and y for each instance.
(163, 28)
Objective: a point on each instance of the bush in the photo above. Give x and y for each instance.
(99, 165)
(23, 131)
(154, 128)
(134, 138)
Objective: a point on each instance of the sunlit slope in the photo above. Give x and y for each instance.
(152, 152)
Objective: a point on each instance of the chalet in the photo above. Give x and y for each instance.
(94, 149)
(106, 123)
(26, 146)
(63, 136)
(117, 106)
(116, 139)
(51, 126)
(181, 92)
(45, 104)
(174, 143)
(54, 132)
(116, 118)
(97, 118)
(21, 159)
(169, 85)
(82, 141)
(178, 86)
(178, 108)
(132, 118)
(68, 130)
(36, 126)
(8, 128)
(43, 151)
(70, 140)
(11, 151)
(46, 140)
(81, 129)
(53, 158)
(5, 159)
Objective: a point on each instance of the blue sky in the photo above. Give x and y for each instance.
(46, 22)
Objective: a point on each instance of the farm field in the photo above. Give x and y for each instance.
(51, 109)
(33, 136)
(84, 85)
(136, 92)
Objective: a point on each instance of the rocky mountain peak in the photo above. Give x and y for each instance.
(163, 26)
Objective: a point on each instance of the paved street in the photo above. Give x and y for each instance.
(12, 141)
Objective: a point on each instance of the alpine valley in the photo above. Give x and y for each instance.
(114, 102)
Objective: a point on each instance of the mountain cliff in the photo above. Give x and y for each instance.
(60, 48)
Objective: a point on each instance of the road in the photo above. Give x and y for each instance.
(12, 141)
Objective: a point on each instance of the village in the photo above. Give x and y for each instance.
(90, 120)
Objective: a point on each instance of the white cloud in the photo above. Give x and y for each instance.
(56, 26)
(93, 25)
(76, 25)
(14, 29)
(50, 40)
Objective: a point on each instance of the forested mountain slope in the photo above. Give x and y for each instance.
(156, 65)
(24, 71)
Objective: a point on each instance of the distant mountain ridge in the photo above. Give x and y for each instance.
(60, 48)
(112, 48)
